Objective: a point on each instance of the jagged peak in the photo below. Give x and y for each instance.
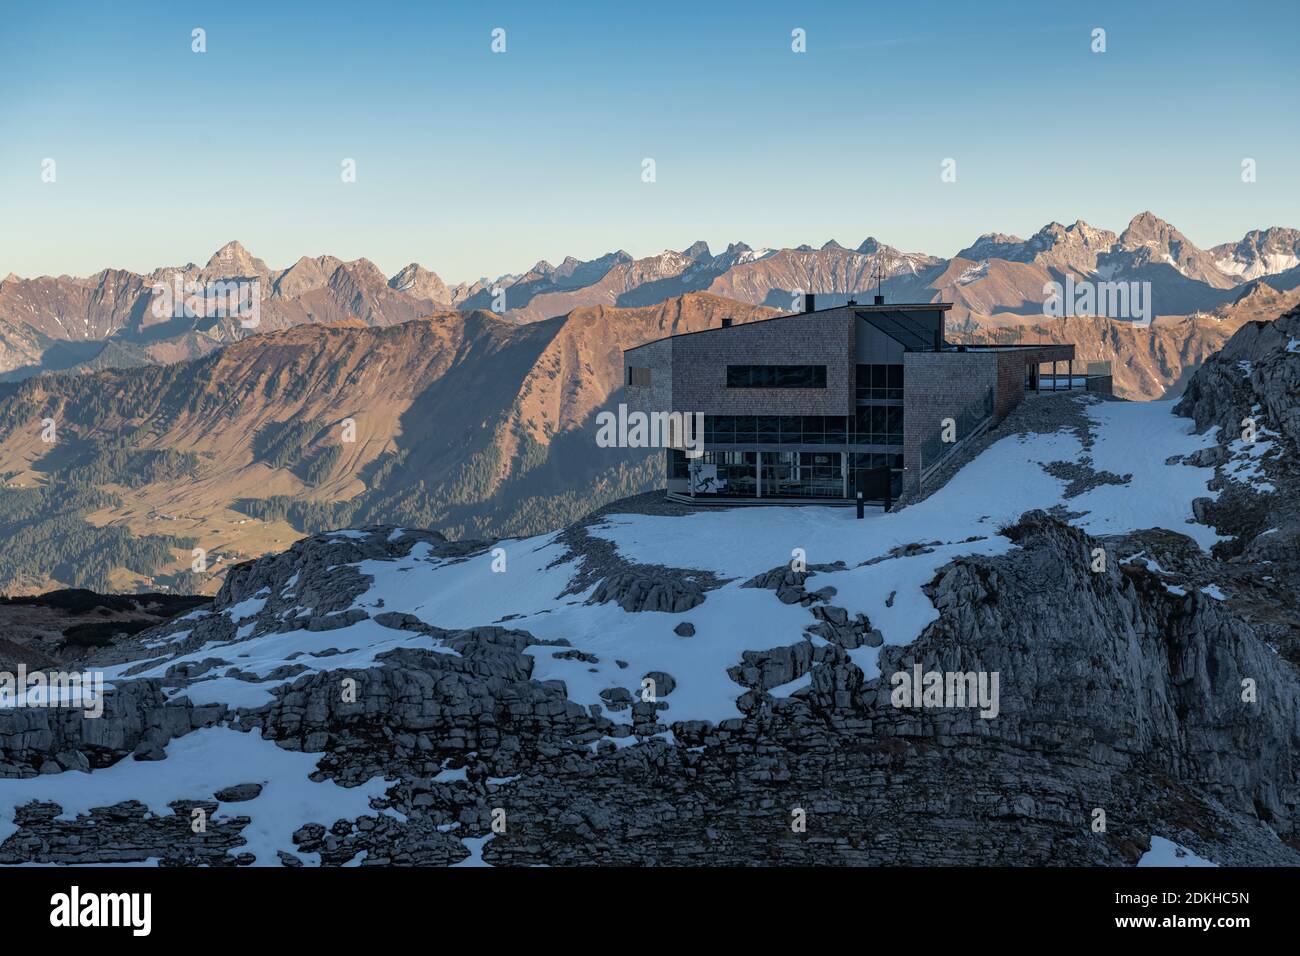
(1147, 224)
(233, 254)
(417, 280)
(698, 250)
(231, 249)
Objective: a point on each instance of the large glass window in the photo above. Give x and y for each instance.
(878, 425)
(785, 474)
(776, 376)
(729, 473)
(880, 382)
(820, 475)
(799, 429)
(791, 474)
(677, 464)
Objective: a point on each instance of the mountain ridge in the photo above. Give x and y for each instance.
(53, 323)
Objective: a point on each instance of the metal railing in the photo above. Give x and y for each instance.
(971, 419)
(1069, 380)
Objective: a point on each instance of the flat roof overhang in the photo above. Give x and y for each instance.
(887, 307)
(893, 307)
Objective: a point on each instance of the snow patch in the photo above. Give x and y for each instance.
(197, 766)
(1167, 853)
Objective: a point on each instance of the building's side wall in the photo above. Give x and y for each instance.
(939, 385)
(1010, 390)
(700, 360)
(658, 358)
(1011, 365)
(1101, 384)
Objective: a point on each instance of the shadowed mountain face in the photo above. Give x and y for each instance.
(108, 320)
(459, 420)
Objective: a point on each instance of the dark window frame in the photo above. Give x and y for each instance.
(776, 376)
(879, 382)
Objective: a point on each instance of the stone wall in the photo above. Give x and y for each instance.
(939, 385)
(658, 358)
(1101, 384)
(1010, 389)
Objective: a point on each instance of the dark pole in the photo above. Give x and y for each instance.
(861, 512)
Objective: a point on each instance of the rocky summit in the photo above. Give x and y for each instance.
(1081, 649)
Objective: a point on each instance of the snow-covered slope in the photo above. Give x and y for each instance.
(535, 591)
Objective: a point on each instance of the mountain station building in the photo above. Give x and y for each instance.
(825, 403)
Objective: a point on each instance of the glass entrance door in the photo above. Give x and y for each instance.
(778, 476)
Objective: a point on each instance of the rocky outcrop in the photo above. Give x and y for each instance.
(1258, 366)
(648, 592)
(137, 720)
(1114, 695)
(1248, 393)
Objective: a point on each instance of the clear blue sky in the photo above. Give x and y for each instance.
(475, 163)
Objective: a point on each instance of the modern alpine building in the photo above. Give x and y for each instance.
(825, 403)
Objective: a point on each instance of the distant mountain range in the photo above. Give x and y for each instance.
(184, 433)
(106, 320)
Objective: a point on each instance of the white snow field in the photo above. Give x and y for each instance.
(1166, 853)
(962, 518)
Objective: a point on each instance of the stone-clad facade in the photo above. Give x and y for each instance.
(854, 422)
(940, 385)
(700, 360)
